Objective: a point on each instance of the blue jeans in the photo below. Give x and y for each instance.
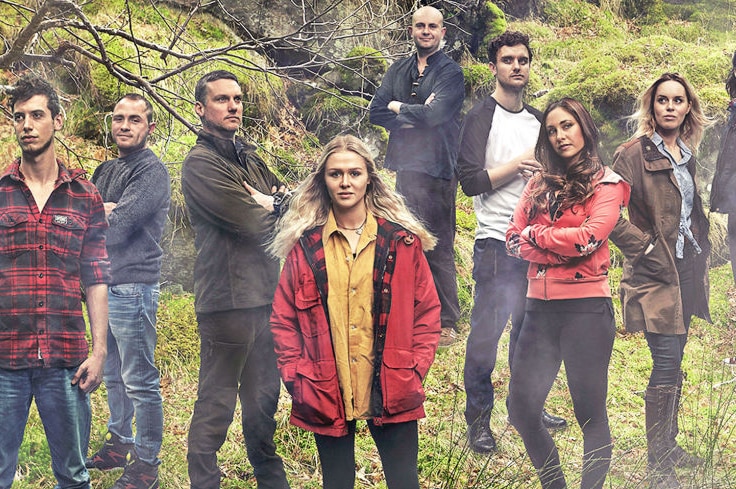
(500, 292)
(65, 412)
(131, 378)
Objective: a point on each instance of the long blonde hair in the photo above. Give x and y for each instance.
(692, 128)
(310, 205)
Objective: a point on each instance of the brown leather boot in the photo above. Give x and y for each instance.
(660, 404)
(678, 455)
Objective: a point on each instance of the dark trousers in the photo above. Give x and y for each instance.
(237, 360)
(500, 291)
(398, 446)
(432, 200)
(668, 349)
(579, 332)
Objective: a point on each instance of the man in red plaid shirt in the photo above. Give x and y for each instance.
(52, 239)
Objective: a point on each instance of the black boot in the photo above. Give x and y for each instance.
(552, 422)
(480, 438)
(137, 474)
(660, 404)
(680, 458)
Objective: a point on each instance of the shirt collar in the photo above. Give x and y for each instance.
(370, 230)
(686, 152)
(65, 175)
(432, 57)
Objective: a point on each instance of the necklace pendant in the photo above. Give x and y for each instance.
(359, 231)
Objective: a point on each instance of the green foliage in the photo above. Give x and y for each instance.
(690, 32)
(647, 11)
(580, 16)
(479, 80)
(178, 340)
(261, 92)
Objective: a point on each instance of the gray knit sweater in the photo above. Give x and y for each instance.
(141, 187)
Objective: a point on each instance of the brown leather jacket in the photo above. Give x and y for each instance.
(650, 288)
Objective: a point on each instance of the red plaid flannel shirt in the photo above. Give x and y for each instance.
(43, 257)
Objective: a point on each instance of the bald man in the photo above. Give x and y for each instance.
(419, 102)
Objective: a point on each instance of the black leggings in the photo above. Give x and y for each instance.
(398, 446)
(579, 332)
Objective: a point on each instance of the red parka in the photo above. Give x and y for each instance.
(406, 315)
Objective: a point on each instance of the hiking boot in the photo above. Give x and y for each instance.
(448, 336)
(112, 454)
(480, 439)
(680, 458)
(137, 474)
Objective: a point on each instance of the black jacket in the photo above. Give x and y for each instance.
(723, 190)
(424, 137)
(471, 158)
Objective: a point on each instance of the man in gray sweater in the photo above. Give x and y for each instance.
(136, 191)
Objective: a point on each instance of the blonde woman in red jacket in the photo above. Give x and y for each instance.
(561, 226)
(356, 317)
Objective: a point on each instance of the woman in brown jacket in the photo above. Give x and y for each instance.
(666, 248)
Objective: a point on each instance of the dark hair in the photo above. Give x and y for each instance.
(200, 91)
(731, 80)
(575, 183)
(135, 97)
(28, 87)
(508, 38)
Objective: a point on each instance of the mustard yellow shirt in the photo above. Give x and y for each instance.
(350, 305)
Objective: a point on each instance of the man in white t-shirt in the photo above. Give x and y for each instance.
(495, 160)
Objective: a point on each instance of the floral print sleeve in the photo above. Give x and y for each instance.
(567, 238)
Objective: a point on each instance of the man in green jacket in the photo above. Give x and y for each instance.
(228, 192)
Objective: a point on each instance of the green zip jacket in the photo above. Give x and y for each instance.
(233, 270)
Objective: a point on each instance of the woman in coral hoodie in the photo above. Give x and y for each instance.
(561, 226)
(356, 317)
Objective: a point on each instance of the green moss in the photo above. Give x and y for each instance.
(479, 80)
(582, 17)
(328, 113)
(490, 22)
(494, 21)
(205, 28)
(362, 70)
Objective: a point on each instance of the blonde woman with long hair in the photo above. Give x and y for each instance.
(356, 317)
(666, 248)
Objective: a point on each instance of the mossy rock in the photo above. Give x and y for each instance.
(361, 72)
(479, 81)
(328, 113)
(493, 23)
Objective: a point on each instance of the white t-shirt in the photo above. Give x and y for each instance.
(512, 133)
